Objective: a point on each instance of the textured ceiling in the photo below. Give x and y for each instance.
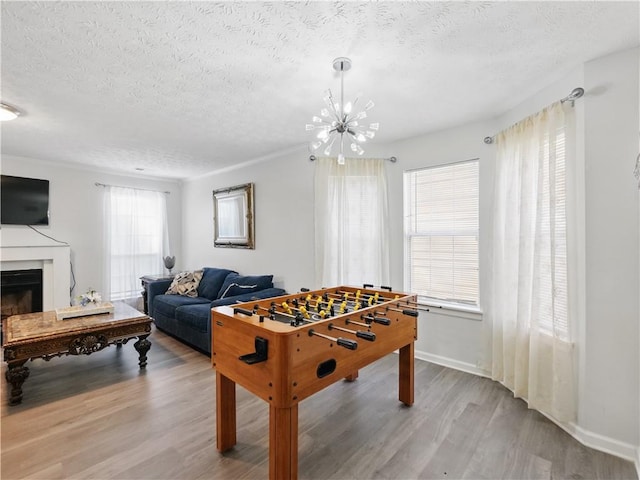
(184, 88)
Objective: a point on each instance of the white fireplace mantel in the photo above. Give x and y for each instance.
(55, 262)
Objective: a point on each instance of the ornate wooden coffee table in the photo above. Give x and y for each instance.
(42, 335)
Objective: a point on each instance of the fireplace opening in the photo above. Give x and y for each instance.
(21, 292)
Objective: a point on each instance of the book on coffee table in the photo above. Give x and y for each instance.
(82, 311)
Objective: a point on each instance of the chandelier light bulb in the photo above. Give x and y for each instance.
(339, 118)
(323, 134)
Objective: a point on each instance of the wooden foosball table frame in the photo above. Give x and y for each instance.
(284, 354)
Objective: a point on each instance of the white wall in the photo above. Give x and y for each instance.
(284, 240)
(609, 396)
(445, 337)
(75, 205)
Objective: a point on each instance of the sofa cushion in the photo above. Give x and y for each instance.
(167, 304)
(266, 293)
(212, 280)
(197, 316)
(185, 283)
(236, 284)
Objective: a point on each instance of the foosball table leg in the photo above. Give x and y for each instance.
(405, 384)
(352, 377)
(225, 413)
(283, 443)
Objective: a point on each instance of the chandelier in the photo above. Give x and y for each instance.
(338, 120)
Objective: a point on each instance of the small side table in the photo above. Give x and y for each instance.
(146, 279)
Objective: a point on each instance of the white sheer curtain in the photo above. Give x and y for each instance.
(136, 238)
(351, 222)
(533, 353)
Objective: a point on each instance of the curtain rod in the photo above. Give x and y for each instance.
(390, 159)
(98, 184)
(572, 97)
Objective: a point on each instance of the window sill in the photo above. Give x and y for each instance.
(469, 312)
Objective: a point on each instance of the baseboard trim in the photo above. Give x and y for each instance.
(604, 444)
(451, 363)
(590, 439)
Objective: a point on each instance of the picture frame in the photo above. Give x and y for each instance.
(233, 217)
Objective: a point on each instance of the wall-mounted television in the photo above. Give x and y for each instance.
(25, 201)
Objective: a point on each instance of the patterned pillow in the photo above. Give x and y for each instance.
(185, 283)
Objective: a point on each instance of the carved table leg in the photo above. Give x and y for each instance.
(16, 374)
(142, 346)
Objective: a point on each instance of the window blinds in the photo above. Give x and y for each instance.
(441, 225)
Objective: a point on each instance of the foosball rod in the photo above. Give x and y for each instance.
(368, 336)
(381, 298)
(295, 318)
(348, 321)
(380, 320)
(364, 303)
(382, 287)
(343, 342)
(425, 306)
(308, 302)
(404, 311)
(268, 310)
(302, 312)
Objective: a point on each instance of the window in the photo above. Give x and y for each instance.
(441, 232)
(551, 261)
(136, 239)
(351, 213)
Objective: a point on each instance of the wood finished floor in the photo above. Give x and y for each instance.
(98, 417)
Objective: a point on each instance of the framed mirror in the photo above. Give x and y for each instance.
(233, 217)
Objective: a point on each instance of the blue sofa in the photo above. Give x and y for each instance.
(189, 318)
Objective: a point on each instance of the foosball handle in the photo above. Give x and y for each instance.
(368, 336)
(346, 343)
(367, 285)
(385, 288)
(261, 353)
(303, 289)
(248, 313)
(382, 321)
(411, 313)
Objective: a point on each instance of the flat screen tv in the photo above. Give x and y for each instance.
(25, 201)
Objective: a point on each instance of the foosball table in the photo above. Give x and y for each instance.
(287, 348)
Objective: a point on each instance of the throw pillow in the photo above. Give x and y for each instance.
(212, 280)
(238, 284)
(185, 283)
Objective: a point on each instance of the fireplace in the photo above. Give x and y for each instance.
(21, 292)
(53, 260)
